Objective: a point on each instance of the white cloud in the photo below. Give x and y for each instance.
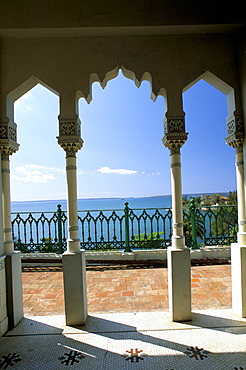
(26, 103)
(56, 169)
(119, 171)
(34, 178)
(32, 173)
(32, 165)
(24, 97)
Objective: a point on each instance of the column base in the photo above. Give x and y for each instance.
(14, 289)
(3, 327)
(238, 274)
(178, 242)
(3, 301)
(179, 284)
(241, 238)
(74, 276)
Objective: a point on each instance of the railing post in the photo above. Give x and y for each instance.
(59, 227)
(127, 238)
(193, 223)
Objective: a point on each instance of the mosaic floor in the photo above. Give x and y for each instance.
(214, 339)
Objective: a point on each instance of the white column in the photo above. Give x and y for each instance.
(13, 258)
(178, 256)
(241, 237)
(3, 300)
(73, 242)
(6, 202)
(238, 250)
(178, 239)
(73, 260)
(235, 138)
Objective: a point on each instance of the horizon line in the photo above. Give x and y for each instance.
(121, 197)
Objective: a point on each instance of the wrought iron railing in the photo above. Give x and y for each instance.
(210, 225)
(124, 229)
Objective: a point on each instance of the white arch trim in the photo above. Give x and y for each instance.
(219, 85)
(22, 89)
(94, 77)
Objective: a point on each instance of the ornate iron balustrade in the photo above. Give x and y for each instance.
(35, 232)
(126, 229)
(210, 225)
(101, 230)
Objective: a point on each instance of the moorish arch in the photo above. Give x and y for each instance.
(68, 50)
(235, 138)
(9, 145)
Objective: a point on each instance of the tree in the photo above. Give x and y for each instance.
(232, 197)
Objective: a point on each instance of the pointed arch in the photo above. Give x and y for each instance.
(22, 89)
(146, 76)
(220, 85)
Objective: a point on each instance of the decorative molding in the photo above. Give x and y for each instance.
(8, 137)
(12, 133)
(174, 150)
(68, 168)
(71, 147)
(174, 124)
(179, 224)
(236, 132)
(70, 127)
(3, 132)
(174, 133)
(239, 163)
(239, 124)
(8, 147)
(174, 141)
(70, 136)
(8, 131)
(176, 164)
(236, 141)
(231, 127)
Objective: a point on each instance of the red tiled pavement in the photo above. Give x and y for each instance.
(124, 289)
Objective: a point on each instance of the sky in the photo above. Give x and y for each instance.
(123, 155)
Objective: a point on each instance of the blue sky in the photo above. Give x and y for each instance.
(123, 155)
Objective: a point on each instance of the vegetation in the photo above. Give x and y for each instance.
(212, 199)
(148, 241)
(223, 225)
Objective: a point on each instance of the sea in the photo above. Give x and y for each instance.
(162, 201)
(29, 230)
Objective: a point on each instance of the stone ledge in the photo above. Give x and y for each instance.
(154, 256)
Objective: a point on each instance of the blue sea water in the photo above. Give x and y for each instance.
(164, 201)
(91, 204)
(37, 231)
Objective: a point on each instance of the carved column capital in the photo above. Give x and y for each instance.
(70, 136)
(8, 138)
(236, 132)
(174, 133)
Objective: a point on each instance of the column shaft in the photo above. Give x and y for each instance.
(73, 242)
(13, 258)
(241, 237)
(6, 204)
(178, 240)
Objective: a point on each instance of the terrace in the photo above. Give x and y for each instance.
(128, 318)
(129, 311)
(128, 322)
